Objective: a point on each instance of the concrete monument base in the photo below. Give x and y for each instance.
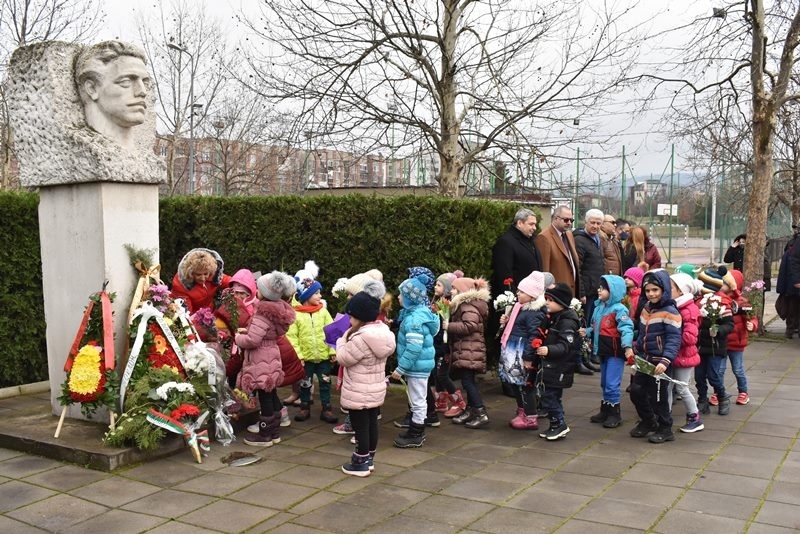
(83, 230)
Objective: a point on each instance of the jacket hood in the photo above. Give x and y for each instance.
(535, 305)
(374, 335)
(278, 312)
(479, 295)
(186, 277)
(246, 278)
(660, 278)
(616, 287)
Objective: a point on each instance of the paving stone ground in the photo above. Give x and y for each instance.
(741, 474)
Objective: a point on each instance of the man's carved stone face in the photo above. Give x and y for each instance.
(121, 94)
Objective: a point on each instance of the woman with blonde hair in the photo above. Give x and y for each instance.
(639, 251)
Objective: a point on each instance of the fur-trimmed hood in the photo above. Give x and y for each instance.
(481, 295)
(186, 277)
(534, 305)
(278, 312)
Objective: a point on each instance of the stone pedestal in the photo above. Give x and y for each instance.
(83, 228)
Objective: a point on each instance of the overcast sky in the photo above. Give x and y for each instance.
(647, 150)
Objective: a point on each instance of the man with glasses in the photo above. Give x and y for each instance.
(612, 249)
(557, 249)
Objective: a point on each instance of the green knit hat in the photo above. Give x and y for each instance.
(686, 268)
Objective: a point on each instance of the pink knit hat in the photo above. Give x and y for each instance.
(636, 274)
(533, 284)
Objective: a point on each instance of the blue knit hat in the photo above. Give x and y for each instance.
(430, 283)
(309, 291)
(414, 291)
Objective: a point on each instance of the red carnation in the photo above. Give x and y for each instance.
(185, 410)
(536, 343)
(508, 281)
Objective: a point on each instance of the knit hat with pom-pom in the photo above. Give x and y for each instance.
(414, 291)
(430, 283)
(275, 285)
(446, 280)
(306, 279)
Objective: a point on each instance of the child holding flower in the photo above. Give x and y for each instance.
(262, 371)
(744, 322)
(446, 392)
(715, 327)
(521, 328)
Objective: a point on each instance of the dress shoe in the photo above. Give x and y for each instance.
(583, 370)
(591, 366)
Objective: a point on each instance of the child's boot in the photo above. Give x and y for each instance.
(662, 434)
(724, 405)
(358, 466)
(465, 416)
(519, 419)
(458, 405)
(643, 428)
(263, 438)
(411, 438)
(304, 414)
(602, 415)
(479, 418)
(703, 406)
(285, 420)
(442, 401)
(327, 415)
(614, 418)
(693, 423)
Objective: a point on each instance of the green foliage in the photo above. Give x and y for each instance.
(22, 326)
(345, 235)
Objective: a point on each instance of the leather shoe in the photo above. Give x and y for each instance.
(595, 359)
(591, 366)
(583, 370)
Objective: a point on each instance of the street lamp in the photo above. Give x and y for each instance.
(192, 107)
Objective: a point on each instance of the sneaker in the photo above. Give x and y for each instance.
(693, 423)
(713, 400)
(285, 419)
(432, 419)
(661, 435)
(344, 429)
(557, 432)
(743, 398)
(643, 428)
(253, 429)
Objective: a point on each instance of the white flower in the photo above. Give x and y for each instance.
(339, 286)
(575, 304)
(163, 390)
(507, 298)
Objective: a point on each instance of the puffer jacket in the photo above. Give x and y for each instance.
(528, 325)
(611, 327)
(717, 345)
(196, 296)
(688, 355)
(563, 343)
(415, 352)
(468, 313)
(740, 337)
(307, 335)
(363, 358)
(262, 368)
(659, 324)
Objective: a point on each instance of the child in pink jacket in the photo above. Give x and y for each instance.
(362, 352)
(262, 370)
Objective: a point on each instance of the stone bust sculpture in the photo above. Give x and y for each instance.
(83, 114)
(113, 84)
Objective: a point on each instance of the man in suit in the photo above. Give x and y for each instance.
(557, 249)
(514, 253)
(560, 258)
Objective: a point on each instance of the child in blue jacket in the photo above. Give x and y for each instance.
(658, 343)
(415, 354)
(611, 332)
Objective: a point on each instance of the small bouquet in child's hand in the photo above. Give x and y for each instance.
(713, 308)
(643, 366)
(576, 305)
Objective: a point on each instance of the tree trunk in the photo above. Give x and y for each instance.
(449, 155)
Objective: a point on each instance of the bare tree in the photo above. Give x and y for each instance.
(370, 69)
(743, 55)
(187, 51)
(24, 22)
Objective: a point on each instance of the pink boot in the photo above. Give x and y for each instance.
(458, 405)
(442, 401)
(527, 422)
(519, 419)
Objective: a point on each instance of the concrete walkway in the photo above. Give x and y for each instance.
(741, 474)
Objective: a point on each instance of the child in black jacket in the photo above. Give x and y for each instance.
(557, 358)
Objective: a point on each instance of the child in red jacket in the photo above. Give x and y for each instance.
(684, 288)
(743, 324)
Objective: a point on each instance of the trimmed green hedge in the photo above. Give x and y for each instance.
(344, 235)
